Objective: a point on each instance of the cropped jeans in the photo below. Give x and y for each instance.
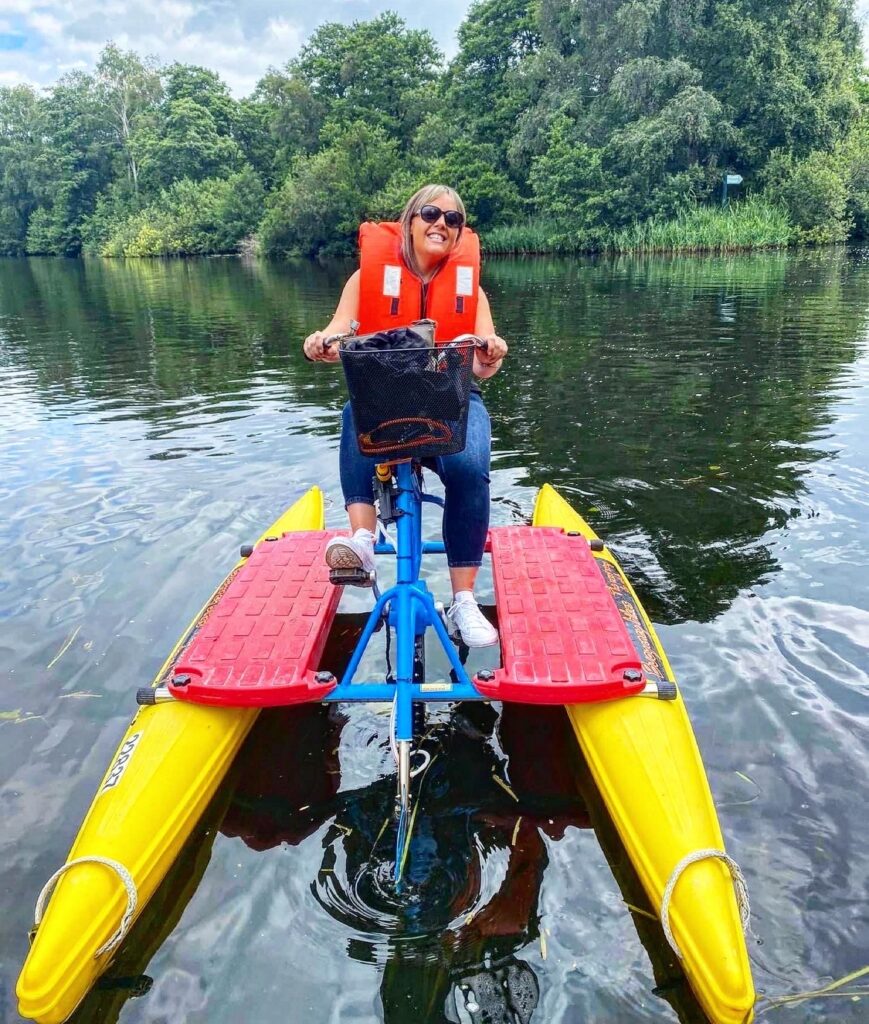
(465, 477)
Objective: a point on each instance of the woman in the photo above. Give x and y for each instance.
(426, 265)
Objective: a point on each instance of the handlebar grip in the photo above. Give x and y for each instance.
(478, 342)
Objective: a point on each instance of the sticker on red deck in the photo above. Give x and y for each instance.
(121, 762)
(641, 638)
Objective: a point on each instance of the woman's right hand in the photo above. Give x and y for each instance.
(315, 348)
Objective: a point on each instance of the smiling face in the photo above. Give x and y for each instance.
(433, 242)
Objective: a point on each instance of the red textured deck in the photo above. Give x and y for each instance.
(260, 644)
(563, 640)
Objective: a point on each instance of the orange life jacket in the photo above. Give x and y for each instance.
(391, 295)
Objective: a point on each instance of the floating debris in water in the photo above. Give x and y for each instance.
(516, 830)
(64, 649)
(825, 992)
(639, 910)
(504, 786)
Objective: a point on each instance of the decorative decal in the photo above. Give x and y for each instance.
(121, 762)
(392, 281)
(641, 638)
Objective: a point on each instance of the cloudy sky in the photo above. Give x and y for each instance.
(41, 39)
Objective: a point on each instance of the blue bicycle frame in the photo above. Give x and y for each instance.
(409, 608)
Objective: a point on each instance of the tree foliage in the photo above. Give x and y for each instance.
(590, 118)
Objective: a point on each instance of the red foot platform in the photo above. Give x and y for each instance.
(563, 640)
(260, 643)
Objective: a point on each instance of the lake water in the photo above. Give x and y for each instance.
(709, 417)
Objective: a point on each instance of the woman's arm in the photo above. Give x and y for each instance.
(487, 364)
(347, 311)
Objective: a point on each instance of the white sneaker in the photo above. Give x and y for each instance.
(467, 621)
(356, 552)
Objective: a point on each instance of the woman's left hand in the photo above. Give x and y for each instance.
(494, 352)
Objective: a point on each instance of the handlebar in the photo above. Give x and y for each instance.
(462, 339)
(479, 343)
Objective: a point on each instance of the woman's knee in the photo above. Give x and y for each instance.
(463, 470)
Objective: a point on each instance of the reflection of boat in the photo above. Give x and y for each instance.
(645, 762)
(167, 768)
(641, 752)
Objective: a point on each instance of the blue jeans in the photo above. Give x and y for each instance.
(465, 477)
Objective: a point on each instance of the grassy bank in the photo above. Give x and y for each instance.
(750, 224)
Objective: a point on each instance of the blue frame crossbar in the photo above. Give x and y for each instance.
(408, 608)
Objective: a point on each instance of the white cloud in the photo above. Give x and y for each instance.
(11, 78)
(239, 40)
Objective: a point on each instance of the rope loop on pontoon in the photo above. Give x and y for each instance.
(739, 886)
(129, 885)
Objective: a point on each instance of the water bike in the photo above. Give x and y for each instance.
(572, 633)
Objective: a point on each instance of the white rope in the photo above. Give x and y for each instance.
(381, 532)
(740, 888)
(129, 885)
(424, 763)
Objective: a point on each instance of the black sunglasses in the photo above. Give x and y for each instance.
(432, 214)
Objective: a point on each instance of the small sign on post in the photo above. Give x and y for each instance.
(729, 179)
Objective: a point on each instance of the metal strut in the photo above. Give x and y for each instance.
(402, 808)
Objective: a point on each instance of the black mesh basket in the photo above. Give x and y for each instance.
(409, 402)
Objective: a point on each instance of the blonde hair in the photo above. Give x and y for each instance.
(416, 202)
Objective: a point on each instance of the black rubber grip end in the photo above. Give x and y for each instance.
(666, 690)
(246, 550)
(145, 696)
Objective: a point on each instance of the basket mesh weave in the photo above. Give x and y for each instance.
(409, 402)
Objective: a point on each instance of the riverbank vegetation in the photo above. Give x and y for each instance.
(574, 126)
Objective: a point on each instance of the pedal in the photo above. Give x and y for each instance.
(351, 578)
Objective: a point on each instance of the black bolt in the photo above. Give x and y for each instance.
(181, 680)
(596, 544)
(573, 533)
(632, 675)
(485, 675)
(246, 550)
(271, 538)
(324, 677)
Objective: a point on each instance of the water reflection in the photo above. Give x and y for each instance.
(681, 400)
(707, 416)
(448, 939)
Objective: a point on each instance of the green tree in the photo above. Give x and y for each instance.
(204, 88)
(191, 135)
(128, 88)
(280, 121)
(567, 181)
(483, 85)
(21, 147)
(378, 71)
(786, 72)
(320, 205)
(75, 164)
(815, 192)
(488, 194)
(191, 217)
(184, 143)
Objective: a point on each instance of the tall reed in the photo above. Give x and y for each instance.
(751, 223)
